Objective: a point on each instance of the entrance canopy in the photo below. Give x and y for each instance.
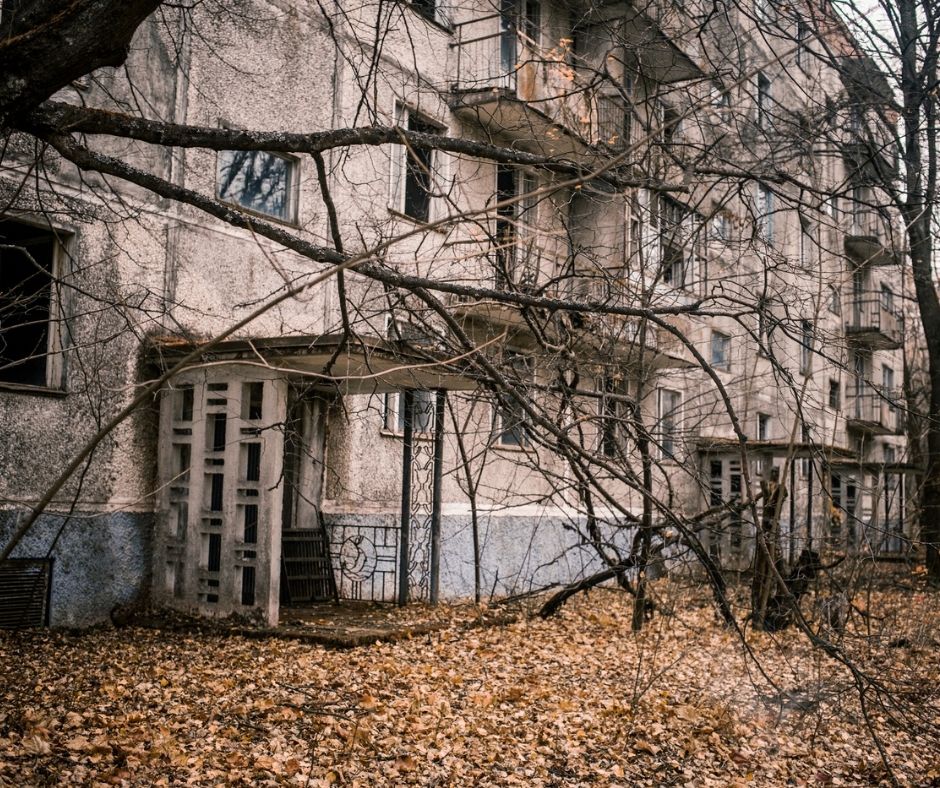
(359, 365)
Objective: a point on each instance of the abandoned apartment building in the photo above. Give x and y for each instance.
(295, 460)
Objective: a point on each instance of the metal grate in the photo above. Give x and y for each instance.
(307, 568)
(24, 592)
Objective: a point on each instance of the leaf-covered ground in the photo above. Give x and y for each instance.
(579, 700)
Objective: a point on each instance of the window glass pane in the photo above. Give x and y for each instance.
(256, 180)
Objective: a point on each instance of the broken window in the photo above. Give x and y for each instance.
(30, 324)
(516, 226)
(413, 169)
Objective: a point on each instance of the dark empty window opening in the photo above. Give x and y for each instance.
(427, 8)
(250, 534)
(763, 101)
(835, 398)
(184, 403)
(418, 172)
(252, 400)
(214, 562)
(216, 486)
(253, 462)
(248, 585)
(27, 266)
(217, 422)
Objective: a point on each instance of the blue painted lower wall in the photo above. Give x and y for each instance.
(99, 561)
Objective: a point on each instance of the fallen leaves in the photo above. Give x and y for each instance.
(577, 700)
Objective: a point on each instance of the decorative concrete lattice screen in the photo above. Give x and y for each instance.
(221, 458)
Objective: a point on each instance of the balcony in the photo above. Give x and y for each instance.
(864, 238)
(873, 324)
(504, 83)
(874, 412)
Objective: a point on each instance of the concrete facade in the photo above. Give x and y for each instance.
(289, 428)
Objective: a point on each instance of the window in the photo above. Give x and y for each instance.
(673, 266)
(679, 232)
(511, 423)
(31, 325)
(422, 409)
(721, 227)
(835, 394)
(432, 10)
(530, 22)
(720, 351)
(763, 102)
(763, 427)
(887, 298)
(414, 169)
(668, 422)
(806, 346)
(802, 39)
(612, 409)
(765, 213)
(516, 223)
(887, 381)
(257, 181)
(614, 122)
(764, 10)
(835, 300)
(671, 124)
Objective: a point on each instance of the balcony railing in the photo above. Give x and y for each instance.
(865, 237)
(874, 411)
(491, 52)
(874, 324)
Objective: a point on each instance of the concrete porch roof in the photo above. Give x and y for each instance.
(362, 365)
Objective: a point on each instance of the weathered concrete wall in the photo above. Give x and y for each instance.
(518, 552)
(99, 561)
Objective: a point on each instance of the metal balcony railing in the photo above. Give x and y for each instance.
(490, 50)
(874, 410)
(865, 236)
(874, 323)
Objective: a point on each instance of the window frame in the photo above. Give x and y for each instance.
(668, 423)
(393, 416)
(292, 190)
(765, 212)
(763, 426)
(403, 165)
(807, 345)
(518, 436)
(516, 227)
(720, 341)
(764, 101)
(57, 321)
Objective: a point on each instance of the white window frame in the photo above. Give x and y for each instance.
(764, 212)
(398, 174)
(57, 330)
(393, 416)
(668, 422)
(719, 341)
(292, 190)
(521, 220)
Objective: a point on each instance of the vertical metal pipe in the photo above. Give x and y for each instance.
(406, 402)
(809, 505)
(436, 495)
(792, 510)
